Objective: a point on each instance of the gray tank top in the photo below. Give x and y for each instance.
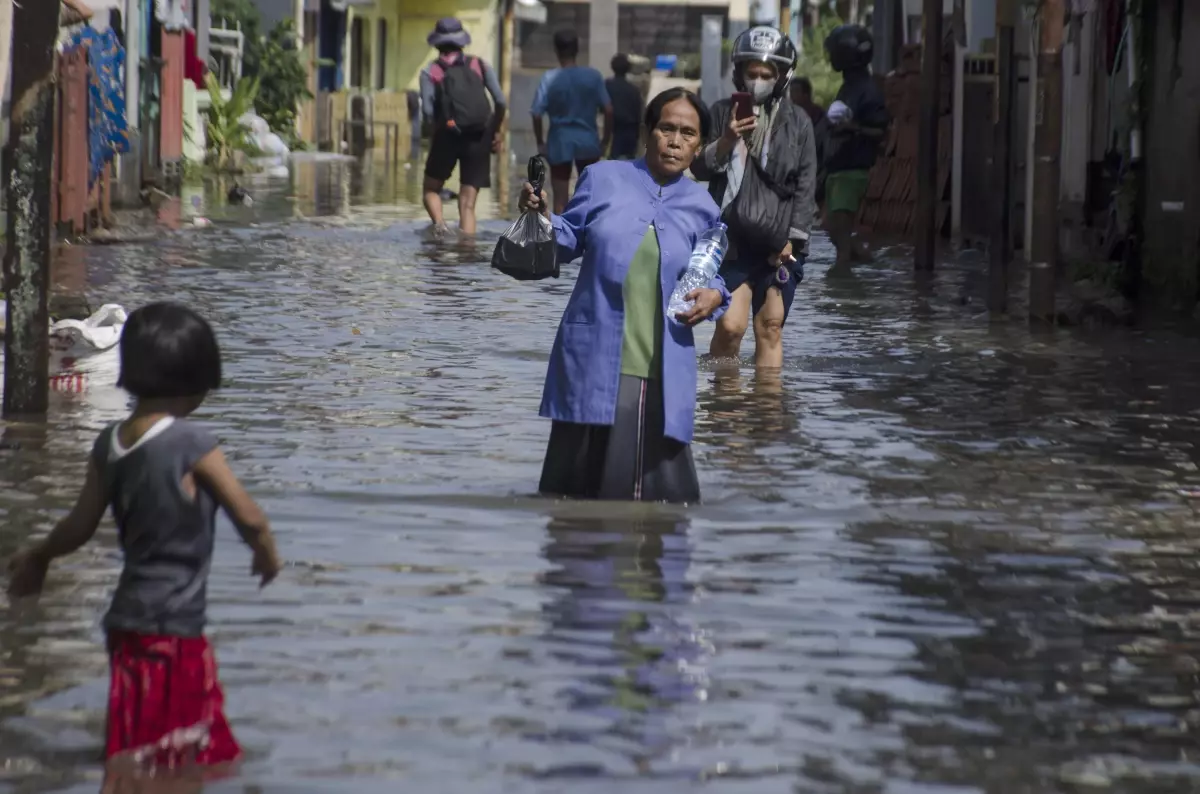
(166, 535)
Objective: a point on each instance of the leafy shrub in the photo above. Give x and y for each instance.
(814, 63)
(226, 134)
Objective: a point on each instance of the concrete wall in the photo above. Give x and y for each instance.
(409, 22)
(646, 29)
(1171, 253)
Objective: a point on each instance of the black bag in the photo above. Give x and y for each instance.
(761, 213)
(528, 250)
(462, 99)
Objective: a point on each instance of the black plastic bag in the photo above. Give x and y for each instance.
(528, 250)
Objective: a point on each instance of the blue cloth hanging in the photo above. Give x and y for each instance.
(108, 130)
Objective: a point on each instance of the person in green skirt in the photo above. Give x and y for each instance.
(858, 120)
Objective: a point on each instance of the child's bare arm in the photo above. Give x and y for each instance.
(28, 568)
(215, 476)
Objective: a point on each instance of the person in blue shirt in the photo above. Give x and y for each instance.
(621, 385)
(572, 96)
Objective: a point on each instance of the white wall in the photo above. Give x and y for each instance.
(1077, 111)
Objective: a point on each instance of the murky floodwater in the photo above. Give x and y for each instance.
(934, 555)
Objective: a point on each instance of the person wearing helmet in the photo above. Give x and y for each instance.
(761, 170)
(858, 120)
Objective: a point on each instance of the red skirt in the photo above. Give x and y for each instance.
(165, 705)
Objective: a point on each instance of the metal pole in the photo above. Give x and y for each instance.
(927, 144)
(711, 65)
(28, 162)
(1002, 135)
(1047, 151)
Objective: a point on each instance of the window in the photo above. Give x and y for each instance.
(381, 57)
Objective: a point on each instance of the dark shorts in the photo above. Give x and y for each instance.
(562, 171)
(471, 153)
(625, 143)
(761, 277)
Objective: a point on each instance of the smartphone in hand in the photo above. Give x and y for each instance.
(743, 105)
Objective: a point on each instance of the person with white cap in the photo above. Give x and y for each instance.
(466, 126)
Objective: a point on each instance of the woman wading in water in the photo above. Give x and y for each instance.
(621, 386)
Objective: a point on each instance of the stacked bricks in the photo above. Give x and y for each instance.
(891, 202)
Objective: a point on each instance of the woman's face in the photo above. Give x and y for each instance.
(675, 140)
(760, 78)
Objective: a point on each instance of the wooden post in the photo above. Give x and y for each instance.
(28, 162)
(507, 35)
(1002, 135)
(1047, 149)
(928, 184)
(785, 17)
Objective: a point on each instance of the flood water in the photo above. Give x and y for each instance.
(935, 554)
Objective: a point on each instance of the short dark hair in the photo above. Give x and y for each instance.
(655, 108)
(802, 82)
(566, 43)
(167, 351)
(620, 64)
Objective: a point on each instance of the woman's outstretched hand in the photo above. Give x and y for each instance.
(529, 201)
(28, 571)
(706, 301)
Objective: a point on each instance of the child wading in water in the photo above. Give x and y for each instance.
(164, 478)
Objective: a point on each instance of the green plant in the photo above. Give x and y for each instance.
(687, 66)
(283, 78)
(274, 59)
(226, 134)
(814, 63)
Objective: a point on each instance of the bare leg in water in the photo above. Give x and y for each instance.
(466, 205)
(727, 338)
(841, 233)
(562, 192)
(432, 198)
(768, 331)
(466, 208)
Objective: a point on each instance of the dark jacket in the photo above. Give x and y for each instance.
(851, 151)
(791, 161)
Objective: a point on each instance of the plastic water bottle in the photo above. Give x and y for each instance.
(706, 260)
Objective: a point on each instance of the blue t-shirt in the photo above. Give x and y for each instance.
(572, 97)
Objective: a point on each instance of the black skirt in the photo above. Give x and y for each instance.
(629, 460)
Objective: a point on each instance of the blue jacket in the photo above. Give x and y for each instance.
(614, 204)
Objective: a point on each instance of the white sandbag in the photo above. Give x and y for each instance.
(273, 145)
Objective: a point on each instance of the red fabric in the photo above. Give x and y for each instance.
(437, 69)
(165, 705)
(193, 67)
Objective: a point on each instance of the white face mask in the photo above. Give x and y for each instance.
(762, 90)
